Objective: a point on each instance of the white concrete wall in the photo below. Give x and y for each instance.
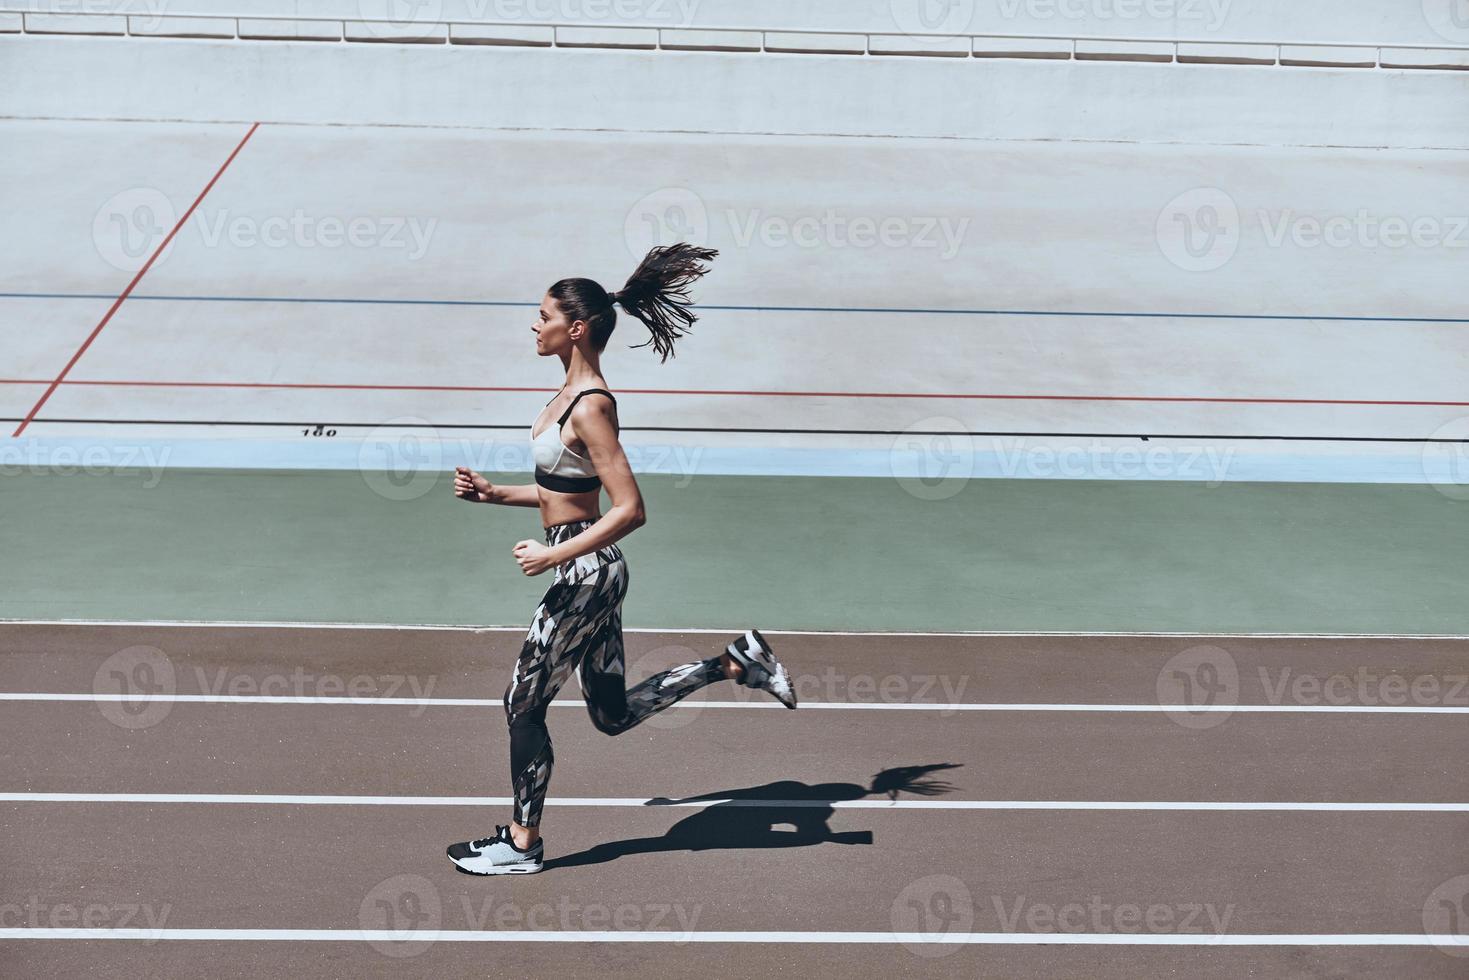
(303, 82)
(1341, 21)
(1226, 218)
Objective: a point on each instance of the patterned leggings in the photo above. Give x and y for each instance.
(579, 622)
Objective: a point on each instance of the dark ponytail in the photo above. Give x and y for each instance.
(657, 293)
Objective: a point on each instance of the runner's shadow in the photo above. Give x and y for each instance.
(733, 824)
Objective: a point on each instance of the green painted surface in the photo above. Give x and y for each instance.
(730, 552)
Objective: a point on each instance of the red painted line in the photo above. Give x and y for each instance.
(136, 279)
(762, 394)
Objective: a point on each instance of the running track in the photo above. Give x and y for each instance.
(289, 792)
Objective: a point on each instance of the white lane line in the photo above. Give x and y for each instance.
(747, 936)
(521, 628)
(1169, 709)
(861, 804)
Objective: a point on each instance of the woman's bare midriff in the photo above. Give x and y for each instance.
(563, 508)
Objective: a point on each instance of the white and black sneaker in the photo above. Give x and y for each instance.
(761, 670)
(497, 855)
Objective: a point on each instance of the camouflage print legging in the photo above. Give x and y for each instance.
(579, 622)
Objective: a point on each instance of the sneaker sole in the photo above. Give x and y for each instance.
(501, 871)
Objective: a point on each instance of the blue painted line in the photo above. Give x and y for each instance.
(765, 309)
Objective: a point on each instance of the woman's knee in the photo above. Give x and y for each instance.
(525, 716)
(606, 724)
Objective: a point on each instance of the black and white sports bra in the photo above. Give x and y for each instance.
(557, 467)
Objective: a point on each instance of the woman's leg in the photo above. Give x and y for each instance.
(613, 708)
(568, 621)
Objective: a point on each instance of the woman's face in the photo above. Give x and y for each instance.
(551, 328)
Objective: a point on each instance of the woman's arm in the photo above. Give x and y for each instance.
(469, 485)
(592, 419)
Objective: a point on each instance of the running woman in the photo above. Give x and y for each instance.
(578, 624)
